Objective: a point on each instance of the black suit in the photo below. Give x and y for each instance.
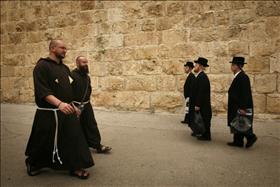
(200, 97)
(187, 91)
(240, 97)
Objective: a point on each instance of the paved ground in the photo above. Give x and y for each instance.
(149, 150)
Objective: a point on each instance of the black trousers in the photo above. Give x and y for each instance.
(238, 138)
(90, 128)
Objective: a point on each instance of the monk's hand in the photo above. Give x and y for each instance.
(242, 112)
(77, 110)
(196, 108)
(66, 108)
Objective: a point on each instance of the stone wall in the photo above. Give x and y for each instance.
(137, 49)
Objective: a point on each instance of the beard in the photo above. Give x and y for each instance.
(84, 69)
(60, 56)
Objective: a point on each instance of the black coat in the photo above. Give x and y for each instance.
(200, 96)
(188, 85)
(239, 95)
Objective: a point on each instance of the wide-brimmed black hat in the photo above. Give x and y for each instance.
(202, 61)
(189, 64)
(238, 60)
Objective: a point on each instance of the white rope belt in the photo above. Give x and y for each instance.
(55, 148)
(79, 103)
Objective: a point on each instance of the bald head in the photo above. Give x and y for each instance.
(82, 64)
(54, 43)
(57, 48)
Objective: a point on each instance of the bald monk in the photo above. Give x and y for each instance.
(82, 91)
(57, 140)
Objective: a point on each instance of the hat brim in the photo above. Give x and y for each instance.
(197, 62)
(231, 62)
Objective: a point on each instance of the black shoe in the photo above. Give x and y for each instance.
(251, 142)
(233, 144)
(203, 138)
(184, 122)
(195, 134)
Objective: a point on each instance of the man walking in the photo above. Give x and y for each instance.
(200, 100)
(188, 67)
(57, 140)
(82, 91)
(239, 101)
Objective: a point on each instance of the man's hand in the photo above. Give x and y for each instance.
(77, 110)
(196, 108)
(242, 112)
(66, 108)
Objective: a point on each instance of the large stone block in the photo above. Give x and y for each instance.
(98, 69)
(204, 20)
(219, 102)
(154, 9)
(173, 67)
(165, 23)
(115, 68)
(133, 101)
(242, 16)
(103, 99)
(147, 38)
(257, 64)
(222, 17)
(150, 67)
(111, 83)
(274, 63)
(238, 48)
(146, 53)
(182, 50)
(166, 83)
(131, 68)
(115, 15)
(259, 101)
(265, 83)
(87, 5)
(170, 37)
(261, 48)
(176, 8)
(205, 34)
(148, 25)
(273, 103)
(272, 27)
(166, 101)
(268, 8)
(221, 82)
(141, 83)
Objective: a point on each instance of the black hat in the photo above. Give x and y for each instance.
(202, 61)
(238, 60)
(189, 64)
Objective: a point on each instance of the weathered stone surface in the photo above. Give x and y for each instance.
(273, 103)
(166, 83)
(135, 101)
(141, 83)
(259, 101)
(265, 83)
(166, 101)
(219, 102)
(137, 49)
(257, 64)
(238, 48)
(220, 83)
(171, 38)
(147, 38)
(271, 8)
(111, 83)
(173, 67)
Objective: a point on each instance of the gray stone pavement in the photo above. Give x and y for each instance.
(149, 150)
